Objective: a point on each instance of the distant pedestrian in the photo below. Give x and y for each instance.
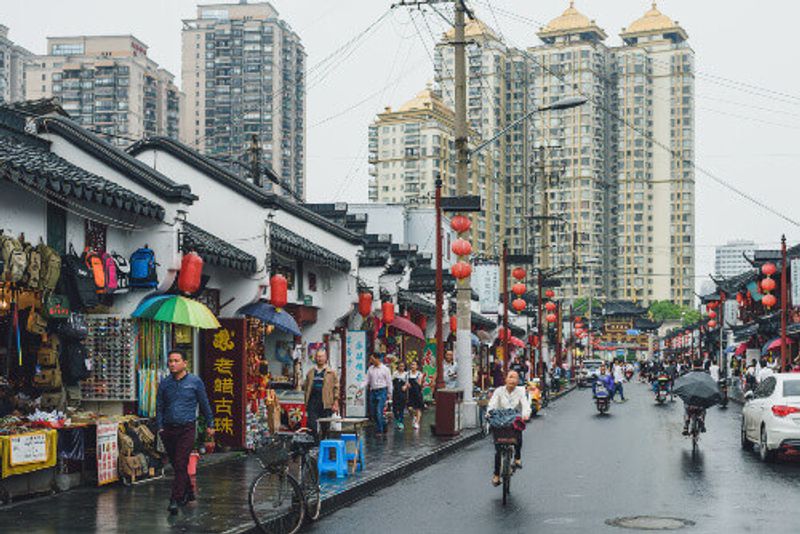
(415, 401)
(498, 376)
(619, 377)
(321, 391)
(450, 371)
(379, 383)
(400, 394)
(177, 400)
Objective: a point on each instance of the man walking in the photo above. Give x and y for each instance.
(177, 400)
(379, 384)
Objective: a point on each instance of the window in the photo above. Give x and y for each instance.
(67, 49)
(57, 228)
(791, 388)
(766, 387)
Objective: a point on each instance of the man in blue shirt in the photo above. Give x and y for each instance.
(179, 395)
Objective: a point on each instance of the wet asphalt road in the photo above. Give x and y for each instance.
(581, 469)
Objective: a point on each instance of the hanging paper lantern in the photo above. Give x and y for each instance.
(453, 323)
(712, 323)
(460, 223)
(768, 269)
(518, 289)
(739, 298)
(278, 288)
(550, 306)
(551, 317)
(579, 325)
(518, 273)
(461, 247)
(364, 304)
(712, 314)
(423, 323)
(387, 308)
(769, 301)
(519, 305)
(767, 285)
(189, 279)
(461, 270)
(549, 293)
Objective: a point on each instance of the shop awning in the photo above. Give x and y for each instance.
(266, 313)
(774, 344)
(407, 327)
(741, 349)
(216, 251)
(292, 245)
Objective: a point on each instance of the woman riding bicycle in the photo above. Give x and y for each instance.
(510, 397)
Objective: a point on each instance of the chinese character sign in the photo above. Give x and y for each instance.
(107, 453)
(356, 361)
(224, 377)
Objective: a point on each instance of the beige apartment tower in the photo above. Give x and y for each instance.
(109, 85)
(12, 73)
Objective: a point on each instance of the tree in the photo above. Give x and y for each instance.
(664, 310)
(581, 307)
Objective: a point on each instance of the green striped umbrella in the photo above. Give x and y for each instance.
(177, 310)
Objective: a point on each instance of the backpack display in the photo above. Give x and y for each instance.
(110, 269)
(50, 267)
(96, 265)
(14, 260)
(73, 362)
(143, 269)
(33, 271)
(78, 282)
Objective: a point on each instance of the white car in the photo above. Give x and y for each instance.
(771, 416)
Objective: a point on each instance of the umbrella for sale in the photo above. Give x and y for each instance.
(267, 313)
(697, 389)
(177, 310)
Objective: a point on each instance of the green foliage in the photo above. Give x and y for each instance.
(581, 307)
(664, 310)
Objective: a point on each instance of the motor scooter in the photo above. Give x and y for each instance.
(536, 397)
(723, 389)
(602, 397)
(662, 389)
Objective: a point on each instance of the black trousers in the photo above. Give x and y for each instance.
(517, 454)
(315, 411)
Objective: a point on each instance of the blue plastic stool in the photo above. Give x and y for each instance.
(332, 457)
(358, 446)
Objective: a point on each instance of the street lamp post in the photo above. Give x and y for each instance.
(439, 289)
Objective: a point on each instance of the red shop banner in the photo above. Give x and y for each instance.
(224, 375)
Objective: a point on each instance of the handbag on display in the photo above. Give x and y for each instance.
(48, 379)
(36, 323)
(47, 356)
(75, 327)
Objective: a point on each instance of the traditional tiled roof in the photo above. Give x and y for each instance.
(416, 303)
(423, 280)
(622, 307)
(216, 251)
(31, 164)
(290, 244)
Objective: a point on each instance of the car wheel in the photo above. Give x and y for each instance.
(764, 453)
(746, 445)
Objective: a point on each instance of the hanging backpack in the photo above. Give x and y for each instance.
(33, 272)
(94, 263)
(14, 260)
(78, 282)
(51, 267)
(143, 269)
(110, 270)
(123, 271)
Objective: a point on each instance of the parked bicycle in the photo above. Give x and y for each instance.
(287, 490)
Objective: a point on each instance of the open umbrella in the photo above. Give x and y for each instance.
(517, 342)
(177, 310)
(406, 326)
(697, 389)
(267, 313)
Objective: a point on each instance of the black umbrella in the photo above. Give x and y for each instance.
(697, 389)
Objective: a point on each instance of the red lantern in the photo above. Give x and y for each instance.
(518, 289)
(739, 298)
(518, 273)
(767, 285)
(769, 301)
(460, 223)
(278, 287)
(551, 317)
(549, 293)
(501, 333)
(578, 325)
(519, 304)
(712, 304)
(550, 306)
(712, 314)
(189, 279)
(461, 247)
(423, 323)
(461, 270)
(712, 324)
(453, 323)
(364, 304)
(387, 309)
(768, 269)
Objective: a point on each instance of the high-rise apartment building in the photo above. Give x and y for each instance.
(729, 259)
(12, 74)
(109, 85)
(412, 146)
(243, 71)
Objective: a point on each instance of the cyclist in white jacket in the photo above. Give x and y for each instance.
(510, 397)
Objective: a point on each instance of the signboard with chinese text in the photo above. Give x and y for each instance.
(486, 282)
(794, 282)
(107, 453)
(224, 375)
(356, 369)
(28, 448)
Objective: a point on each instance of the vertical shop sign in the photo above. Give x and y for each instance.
(356, 360)
(794, 282)
(107, 453)
(224, 377)
(429, 369)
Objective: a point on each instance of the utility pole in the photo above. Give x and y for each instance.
(506, 333)
(255, 161)
(439, 288)
(784, 308)
(539, 330)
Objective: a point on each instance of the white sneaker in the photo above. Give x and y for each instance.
(416, 425)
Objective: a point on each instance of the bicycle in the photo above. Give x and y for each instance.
(694, 427)
(506, 440)
(287, 491)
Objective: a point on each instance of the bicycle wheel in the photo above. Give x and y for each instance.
(311, 489)
(505, 470)
(276, 503)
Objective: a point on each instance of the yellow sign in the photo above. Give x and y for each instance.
(223, 340)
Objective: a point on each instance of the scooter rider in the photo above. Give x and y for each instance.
(697, 367)
(605, 378)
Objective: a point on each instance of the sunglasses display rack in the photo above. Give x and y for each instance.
(111, 348)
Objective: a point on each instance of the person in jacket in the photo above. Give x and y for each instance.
(605, 378)
(510, 397)
(321, 391)
(177, 399)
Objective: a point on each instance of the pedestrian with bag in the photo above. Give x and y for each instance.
(400, 394)
(177, 400)
(416, 403)
(321, 391)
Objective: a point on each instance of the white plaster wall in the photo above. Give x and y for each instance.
(384, 219)
(21, 211)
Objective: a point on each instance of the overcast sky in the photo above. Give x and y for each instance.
(748, 100)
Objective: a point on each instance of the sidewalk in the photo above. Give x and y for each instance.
(222, 491)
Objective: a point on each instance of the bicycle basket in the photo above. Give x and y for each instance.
(272, 453)
(303, 442)
(505, 435)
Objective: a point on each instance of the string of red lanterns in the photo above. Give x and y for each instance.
(768, 285)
